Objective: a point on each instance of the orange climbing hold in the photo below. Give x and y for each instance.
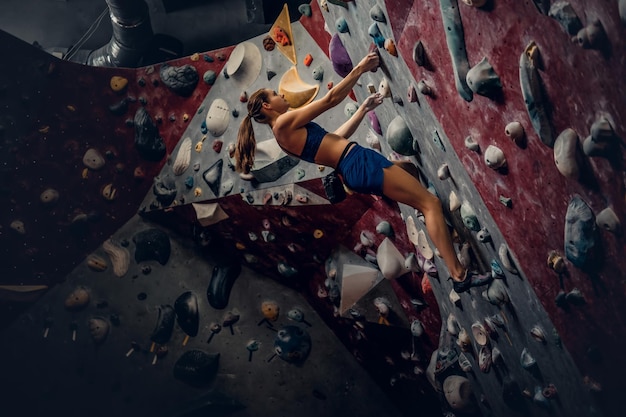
(308, 59)
(281, 37)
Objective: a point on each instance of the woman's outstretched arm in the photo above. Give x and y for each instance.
(370, 103)
(299, 117)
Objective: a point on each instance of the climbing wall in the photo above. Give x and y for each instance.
(531, 181)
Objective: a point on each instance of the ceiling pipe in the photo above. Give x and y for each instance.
(132, 35)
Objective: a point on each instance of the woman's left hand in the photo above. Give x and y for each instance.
(371, 102)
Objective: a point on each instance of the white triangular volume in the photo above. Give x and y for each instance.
(390, 260)
(356, 281)
(208, 214)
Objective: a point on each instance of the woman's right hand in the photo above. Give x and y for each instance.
(370, 62)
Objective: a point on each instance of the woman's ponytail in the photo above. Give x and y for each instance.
(246, 146)
(246, 142)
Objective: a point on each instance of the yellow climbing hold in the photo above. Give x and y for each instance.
(118, 84)
(197, 191)
(85, 173)
(240, 246)
(195, 57)
(70, 107)
(318, 234)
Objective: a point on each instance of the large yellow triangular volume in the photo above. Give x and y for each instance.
(283, 36)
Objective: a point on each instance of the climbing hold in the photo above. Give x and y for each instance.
(196, 368)
(464, 341)
(411, 94)
(217, 117)
(98, 329)
(183, 157)
(602, 141)
(213, 176)
(390, 46)
(318, 73)
(77, 299)
(464, 363)
(209, 77)
(443, 172)
(270, 310)
(349, 109)
(454, 202)
(305, 9)
(608, 220)
(469, 217)
(390, 260)
(152, 244)
(480, 334)
(376, 35)
(494, 157)
(119, 256)
(268, 43)
(419, 54)
(452, 325)
(187, 315)
(49, 197)
(564, 13)
(527, 360)
(383, 88)
(455, 40)
(222, 280)
(181, 80)
(556, 262)
(296, 92)
(496, 293)
(93, 159)
(575, 297)
(591, 36)
(342, 64)
(567, 156)
(515, 131)
(374, 123)
(148, 142)
(377, 14)
(483, 80)
(292, 344)
(534, 94)
(458, 392)
(411, 230)
(164, 188)
(483, 235)
(538, 334)
(484, 359)
(424, 88)
(400, 138)
(505, 259)
(471, 144)
(423, 246)
(384, 228)
(118, 84)
(342, 25)
(580, 234)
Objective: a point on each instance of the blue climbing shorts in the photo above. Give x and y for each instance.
(362, 170)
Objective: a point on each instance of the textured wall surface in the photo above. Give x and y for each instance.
(53, 112)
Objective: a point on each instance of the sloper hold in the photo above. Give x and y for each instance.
(567, 154)
(217, 117)
(534, 94)
(400, 138)
(222, 280)
(283, 25)
(213, 176)
(165, 325)
(187, 316)
(148, 142)
(296, 92)
(342, 64)
(196, 367)
(377, 14)
(483, 80)
(376, 35)
(455, 39)
(181, 80)
(581, 236)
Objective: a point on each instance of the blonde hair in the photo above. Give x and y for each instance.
(246, 142)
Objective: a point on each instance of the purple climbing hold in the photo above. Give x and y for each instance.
(374, 123)
(342, 64)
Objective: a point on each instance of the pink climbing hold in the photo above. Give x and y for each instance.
(374, 123)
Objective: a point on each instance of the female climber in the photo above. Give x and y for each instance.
(362, 170)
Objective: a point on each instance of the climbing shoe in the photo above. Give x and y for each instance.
(472, 279)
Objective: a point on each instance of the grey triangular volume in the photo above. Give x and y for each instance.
(213, 176)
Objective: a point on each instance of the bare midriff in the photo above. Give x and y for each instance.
(329, 152)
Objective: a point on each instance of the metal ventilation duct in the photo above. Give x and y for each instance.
(132, 35)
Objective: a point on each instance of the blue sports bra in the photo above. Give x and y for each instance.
(314, 135)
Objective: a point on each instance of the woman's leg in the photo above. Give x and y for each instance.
(404, 188)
